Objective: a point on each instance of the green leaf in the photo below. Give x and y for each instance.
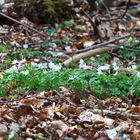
(50, 31)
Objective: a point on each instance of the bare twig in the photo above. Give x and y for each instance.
(93, 24)
(119, 114)
(126, 9)
(103, 44)
(16, 21)
(24, 98)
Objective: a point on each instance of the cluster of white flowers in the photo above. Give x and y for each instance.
(17, 66)
(51, 65)
(55, 67)
(132, 68)
(106, 67)
(39, 65)
(100, 69)
(12, 69)
(22, 61)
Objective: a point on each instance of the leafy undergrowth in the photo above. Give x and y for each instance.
(78, 80)
(24, 69)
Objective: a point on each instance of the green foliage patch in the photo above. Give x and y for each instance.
(79, 81)
(131, 50)
(8, 54)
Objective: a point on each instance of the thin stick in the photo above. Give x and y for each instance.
(119, 114)
(126, 9)
(103, 44)
(16, 21)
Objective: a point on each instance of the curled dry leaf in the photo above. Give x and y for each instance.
(88, 116)
(65, 91)
(49, 112)
(60, 125)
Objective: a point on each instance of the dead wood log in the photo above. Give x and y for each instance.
(87, 54)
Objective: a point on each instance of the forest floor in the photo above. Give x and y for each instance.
(64, 82)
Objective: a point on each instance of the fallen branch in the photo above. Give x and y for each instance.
(119, 114)
(16, 21)
(87, 54)
(104, 44)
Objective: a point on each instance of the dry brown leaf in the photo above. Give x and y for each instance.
(32, 101)
(88, 116)
(23, 110)
(65, 91)
(60, 125)
(136, 109)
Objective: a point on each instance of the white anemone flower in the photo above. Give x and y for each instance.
(82, 64)
(15, 62)
(100, 69)
(25, 46)
(54, 67)
(33, 64)
(42, 66)
(115, 66)
(99, 72)
(26, 72)
(22, 61)
(2, 2)
(105, 67)
(12, 69)
(134, 67)
(138, 74)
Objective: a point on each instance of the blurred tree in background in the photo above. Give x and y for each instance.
(43, 11)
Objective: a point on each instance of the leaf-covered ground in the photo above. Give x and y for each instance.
(48, 92)
(56, 115)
